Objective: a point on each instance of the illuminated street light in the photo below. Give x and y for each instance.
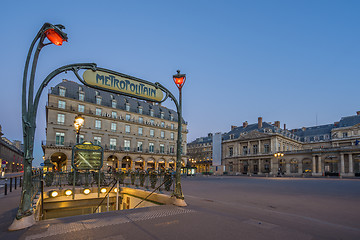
(179, 80)
(79, 121)
(68, 192)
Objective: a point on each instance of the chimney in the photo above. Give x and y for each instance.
(284, 126)
(233, 127)
(245, 124)
(259, 122)
(336, 123)
(277, 124)
(210, 134)
(358, 113)
(304, 129)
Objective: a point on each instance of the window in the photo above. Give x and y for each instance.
(61, 104)
(127, 145)
(151, 112)
(162, 134)
(266, 148)
(245, 150)
(127, 128)
(231, 136)
(81, 96)
(231, 151)
(97, 140)
(152, 133)
(127, 107)
(127, 117)
(172, 126)
(345, 134)
(59, 138)
(112, 143)
(152, 122)
(62, 91)
(141, 120)
(98, 111)
(60, 118)
(172, 149)
(162, 124)
(81, 108)
(151, 147)
(140, 131)
(98, 124)
(162, 115)
(172, 136)
(140, 110)
(255, 149)
(171, 117)
(139, 146)
(162, 148)
(113, 127)
(113, 114)
(98, 100)
(81, 139)
(113, 103)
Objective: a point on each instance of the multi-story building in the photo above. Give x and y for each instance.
(11, 154)
(331, 149)
(200, 153)
(134, 134)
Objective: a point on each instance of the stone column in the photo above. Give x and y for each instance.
(300, 168)
(133, 165)
(274, 166)
(342, 163)
(145, 165)
(166, 164)
(320, 170)
(259, 147)
(287, 167)
(313, 164)
(351, 167)
(259, 166)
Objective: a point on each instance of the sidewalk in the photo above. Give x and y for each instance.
(8, 208)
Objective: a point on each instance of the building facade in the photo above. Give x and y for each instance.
(331, 149)
(200, 153)
(11, 155)
(134, 134)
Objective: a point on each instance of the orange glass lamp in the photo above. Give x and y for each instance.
(55, 35)
(179, 79)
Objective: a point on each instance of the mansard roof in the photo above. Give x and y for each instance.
(349, 121)
(73, 89)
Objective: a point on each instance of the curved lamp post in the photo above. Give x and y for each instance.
(55, 34)
(179, 80)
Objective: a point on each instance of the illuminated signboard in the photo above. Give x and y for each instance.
(87, 157)
(122, 84)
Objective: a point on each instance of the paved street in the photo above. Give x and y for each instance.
(227, 208)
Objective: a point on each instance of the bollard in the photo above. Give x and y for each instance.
(20, 182)
(15, 183)
(5, 188)
(10, 184)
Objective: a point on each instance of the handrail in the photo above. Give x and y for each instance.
(115, 181)
(151, 193)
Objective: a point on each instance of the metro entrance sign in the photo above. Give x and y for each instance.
(124, 84)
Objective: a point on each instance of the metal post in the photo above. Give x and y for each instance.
(178, 191)
(15, 183)
(5, 189)
(10, 184)
(20, 182)
(108, 202)
(117, 195)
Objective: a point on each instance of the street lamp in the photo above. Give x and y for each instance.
(55, 34)
(79, 121)
(279, 155)
(179, 80)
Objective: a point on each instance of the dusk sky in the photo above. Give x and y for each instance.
(292, 61)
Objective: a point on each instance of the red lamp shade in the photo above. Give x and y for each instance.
(179, 79)
(54, 37)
